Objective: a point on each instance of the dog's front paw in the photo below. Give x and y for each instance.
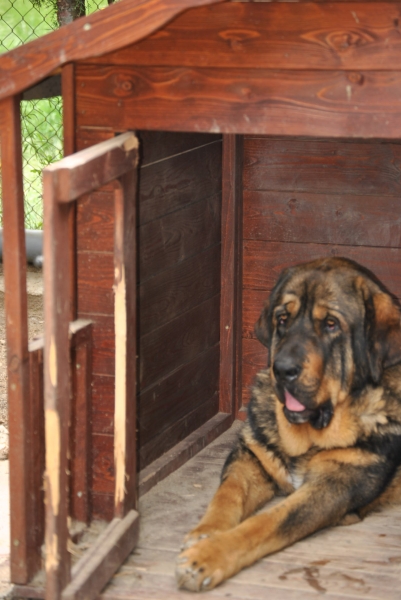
(203, 565)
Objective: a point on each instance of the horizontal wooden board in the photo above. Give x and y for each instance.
(95, 222)
(174, 397)
(264, 35)
(178, 342)
(264, 261)
(218, 100)
(177, 236)
(95, 283)
(178, 431)
(159, 145)
(178, 289)
(322, 167)
(322, 218)
(175, 182)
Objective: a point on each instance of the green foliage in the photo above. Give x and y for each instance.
(42, 135)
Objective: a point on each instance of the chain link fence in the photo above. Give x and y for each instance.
(41, 119)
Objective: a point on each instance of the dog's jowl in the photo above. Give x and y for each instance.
(323, 427)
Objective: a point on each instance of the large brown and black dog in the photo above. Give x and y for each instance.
(323, 426)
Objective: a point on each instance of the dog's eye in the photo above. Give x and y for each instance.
(331, 324)
(282, 319)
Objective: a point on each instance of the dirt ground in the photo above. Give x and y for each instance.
(35, 326)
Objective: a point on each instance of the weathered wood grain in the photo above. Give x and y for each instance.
(95, 272)
(37, 448)
(57, 387)
(322, 166)
(102, 417)
(279, 36)
(179, 289)
(68, 94)
(157, 145)
(172, 398)
(217, 100)
(104, 557)
(178, 342)
(231, 273)
(125, 332)
(179, 235)
(88, 169)
(263, 261)
(103, 472)
(81, 408)
(178, 431)
(96, 34)
(95, 222)
(179, 180)
(346, 219)
(24, 553)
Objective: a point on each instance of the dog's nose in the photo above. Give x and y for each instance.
(286, 369)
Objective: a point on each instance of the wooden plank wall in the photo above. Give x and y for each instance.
(178, 296)
(305, 199)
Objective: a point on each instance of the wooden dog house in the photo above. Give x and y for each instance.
(269, 134)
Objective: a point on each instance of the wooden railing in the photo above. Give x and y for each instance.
(64, 182)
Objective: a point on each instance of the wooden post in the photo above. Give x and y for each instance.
(25, 555)
(57, 386)
(81, 380)
(125, 344)
(231, 245)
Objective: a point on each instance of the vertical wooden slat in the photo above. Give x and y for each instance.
(68, 93)
(230, 304)
(57, 387)
(81, 376)
(37, 458)
(125, 344)
(25, 556)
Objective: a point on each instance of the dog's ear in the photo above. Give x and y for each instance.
(262, 328)
(383, 331)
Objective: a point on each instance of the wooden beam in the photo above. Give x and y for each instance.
(262, 101)
(101, 561)
(101, 32)
(231, 240)
(285, 35)
(25, 554)
(91, 168)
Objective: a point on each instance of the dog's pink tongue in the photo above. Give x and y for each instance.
(292, 403)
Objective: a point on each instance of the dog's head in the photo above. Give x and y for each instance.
(331, 329)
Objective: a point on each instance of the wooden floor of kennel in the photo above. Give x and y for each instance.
(268, 134)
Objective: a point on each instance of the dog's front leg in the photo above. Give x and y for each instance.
(244, 488)
(334, 486)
